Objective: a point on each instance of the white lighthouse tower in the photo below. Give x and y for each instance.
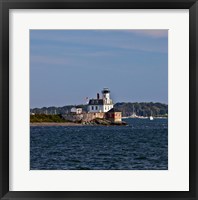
(106, 95)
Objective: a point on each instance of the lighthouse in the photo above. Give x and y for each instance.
(106, 95)
(103, 104)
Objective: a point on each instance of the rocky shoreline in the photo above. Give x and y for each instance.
(104, 122)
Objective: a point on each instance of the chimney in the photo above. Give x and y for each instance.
(98, 96)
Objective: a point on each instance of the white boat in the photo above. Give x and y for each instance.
(134, 114)
(151, 118)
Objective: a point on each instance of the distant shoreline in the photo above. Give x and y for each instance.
(55, 124)
(142, 117)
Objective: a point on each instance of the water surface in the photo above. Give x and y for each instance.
(142, 145)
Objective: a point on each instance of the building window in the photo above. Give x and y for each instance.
(92, 107)
(96, 107)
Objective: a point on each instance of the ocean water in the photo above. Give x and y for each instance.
(142, 145)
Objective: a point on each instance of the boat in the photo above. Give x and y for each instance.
(134, 114)
(151, 118)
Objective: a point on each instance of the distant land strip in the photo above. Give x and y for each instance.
(128, 109)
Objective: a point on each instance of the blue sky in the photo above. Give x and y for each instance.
(66, 66)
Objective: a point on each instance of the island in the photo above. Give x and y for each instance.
(98, 111)
(59, 120)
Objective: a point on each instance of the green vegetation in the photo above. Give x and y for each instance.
(46, 118)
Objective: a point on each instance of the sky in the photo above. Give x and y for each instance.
(66, 66)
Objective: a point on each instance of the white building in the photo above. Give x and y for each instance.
(76, 110)
(101, 105)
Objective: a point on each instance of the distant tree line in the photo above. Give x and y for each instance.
(55, 110)
(143, 109)
(127, 109)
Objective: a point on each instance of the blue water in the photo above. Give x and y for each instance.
(142, 145)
